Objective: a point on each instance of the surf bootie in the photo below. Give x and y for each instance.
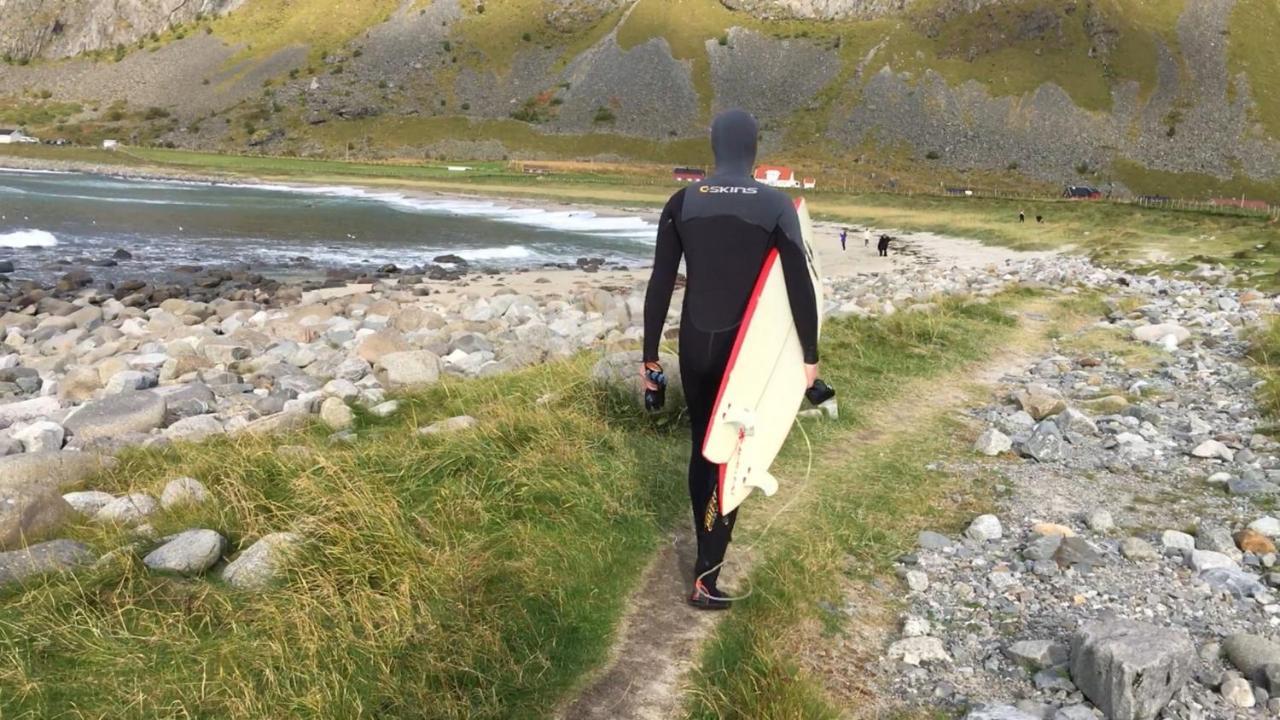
(705, 598)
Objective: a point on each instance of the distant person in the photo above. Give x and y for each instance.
(1039, 218)
(866, 237)
(844, 236)
(1022, 217)
(883, 245)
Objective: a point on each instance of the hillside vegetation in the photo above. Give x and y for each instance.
(1077, 92)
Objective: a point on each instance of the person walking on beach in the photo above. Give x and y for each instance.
(866, 237)
(724, 227)
(844, 236)
(883, 245)
(1022, 217)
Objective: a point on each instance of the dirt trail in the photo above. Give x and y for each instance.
(659, 637)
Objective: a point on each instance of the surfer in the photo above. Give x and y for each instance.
(844, 237)
(724, 227)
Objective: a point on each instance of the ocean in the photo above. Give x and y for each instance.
(48, 218)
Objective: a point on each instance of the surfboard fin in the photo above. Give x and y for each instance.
(744, 419)
(767, 483)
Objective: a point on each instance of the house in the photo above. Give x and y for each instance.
(110, 144)
(960, 191)
(688, 174)
(12, 136)
(809, 183)
(777, 176)
(1081, 192)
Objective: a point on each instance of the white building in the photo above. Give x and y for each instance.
(110, 144)
(12, 136)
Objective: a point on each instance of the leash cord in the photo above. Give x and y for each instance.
(759, 538)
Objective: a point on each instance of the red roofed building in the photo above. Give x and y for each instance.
(777, 176)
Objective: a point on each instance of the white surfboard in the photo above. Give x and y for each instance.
(763, 383)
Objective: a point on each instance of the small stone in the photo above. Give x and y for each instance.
(1075, 712)
(453, 424)
(992, 442)
(919, 650)
(187, 553)
(336, 414)
(914, 626)
(1237, 692)
(1077, 551)
(1100, 521)
(1042, 547)
(88, 502)
(1177, 540)
(999, 712)
(917, 580)
(929, 540)
(1213, 449)
(183, 491)
(1200, 560)
(1266, 525)
(1048, 528)
(386, 409)
(1056, 678)
(1138, 550)
(41, 436)
(984, 528)
(1038, 654)
(1040, 401)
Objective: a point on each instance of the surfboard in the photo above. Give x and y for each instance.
(763, 383)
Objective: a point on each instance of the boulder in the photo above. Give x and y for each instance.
(183, 491)
(1200, 560)
(1266, 525)
(984, 528)
(195, 428)
(88, 502)
(1038, 654)
(1251, 654)
(128, 509)
(620, 372)
(1130, 670)
(58, 468)
(1237, 692)
(130, 412)
(187, 553)
(1040, 401)
(1156, 333)
(41, 436)
(409, 368)
(26, 410)
(258, 567)
(1138, 550)
(1045, 444)
(1213, 449)
(28, 512)
(18, 565)
(383, 342)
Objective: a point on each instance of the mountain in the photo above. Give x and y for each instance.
(1175, 94)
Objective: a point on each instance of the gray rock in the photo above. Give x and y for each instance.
(41, 436)
(620, 372)
(18, 565)
(1251, 486)
(1213, 449)
(453, 424)
(998, 712)
(409, 368)
(1040, 401)
(88, 502)
(1200, 560)
(128, 509)
(1075, 712)
(1038, 654)
(918, 651)
(1100, 521)
(1077, 551)
(61, 468)
(1055, 678)
(259, 566)
(930, 540)
(1177, 540)
(1236, 691)
(385, 409)
(1138, 550)
(195, 428)
(1251, 654)
(1130, 670)
(336, 414)
(1072, 420)
(183, 491)
(1271, 678)
(1044, 445)
(1217, 539)
(130, 412)
(992, 442)
(1042, 547)
(1237, 582)
(1157, 333)
(29, 512)
(1266, 525)
(917, 580)
(187, 553)
(984, 528)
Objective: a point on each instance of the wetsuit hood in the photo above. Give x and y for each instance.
(733, 140)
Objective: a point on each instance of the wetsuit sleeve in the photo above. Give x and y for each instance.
(666, 262)
(795, 270)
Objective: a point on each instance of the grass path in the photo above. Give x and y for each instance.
(660, 638)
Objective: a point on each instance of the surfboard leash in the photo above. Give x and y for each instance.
(767, 526)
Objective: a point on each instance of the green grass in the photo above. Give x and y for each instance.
(478, 575)
(264, 27)
(475, 575)
(1264, 348)
(1253, 50)
(863, 509)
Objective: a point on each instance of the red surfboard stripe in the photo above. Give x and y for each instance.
(769, 260)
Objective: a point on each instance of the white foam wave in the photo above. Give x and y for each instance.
(510, 252)
(27, 239)
(24, 171)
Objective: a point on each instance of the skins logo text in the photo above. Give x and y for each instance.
(728, 189)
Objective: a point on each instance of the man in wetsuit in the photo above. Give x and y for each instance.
(724, 227)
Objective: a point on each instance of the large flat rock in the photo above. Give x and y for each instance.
(63, 469)
(1130, 669)
(46, 557)
(130, 412)
(30, 512)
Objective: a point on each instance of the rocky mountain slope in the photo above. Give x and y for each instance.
(1162, 93)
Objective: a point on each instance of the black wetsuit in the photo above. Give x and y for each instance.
(724, 227)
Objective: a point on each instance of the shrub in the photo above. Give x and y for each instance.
(723, 40)
(526, 37)
(119, 53)
(45, 94)
(932, 155)
(155, 113)
(115, 115)
(604, 115)
(357, 52)
(466, 106)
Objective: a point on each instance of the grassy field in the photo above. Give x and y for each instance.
(478, 575)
